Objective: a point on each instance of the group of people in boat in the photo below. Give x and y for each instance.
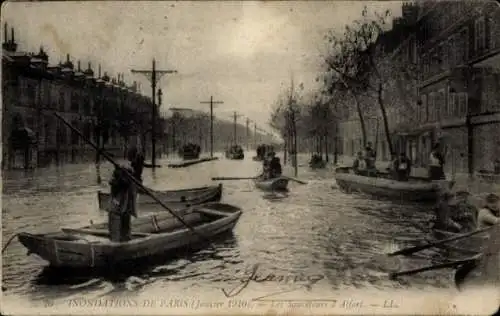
(455, 212)
(271, 166)
(262, 151)
(400, 166)
(190, 150)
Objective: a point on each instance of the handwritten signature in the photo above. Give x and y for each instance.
(254, 276)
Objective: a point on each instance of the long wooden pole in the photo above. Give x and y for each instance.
(136, 182)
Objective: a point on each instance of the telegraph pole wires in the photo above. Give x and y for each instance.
(212, 102)
(153, 76)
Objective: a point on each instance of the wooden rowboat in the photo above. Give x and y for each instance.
(91, 248)
(175, 199)
(416, 189)
(275, 184)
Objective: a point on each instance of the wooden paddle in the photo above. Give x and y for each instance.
(445, 265)
(294, 179)
(136, 182)
(410, 250)
(233, 178)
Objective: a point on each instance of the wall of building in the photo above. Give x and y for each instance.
(449, 42)
(33, 91)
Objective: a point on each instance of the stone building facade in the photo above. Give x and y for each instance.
(455, 46)
(106, 110)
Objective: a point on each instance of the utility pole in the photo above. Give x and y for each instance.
(153, 75)
(212, 102)
(255, 135)
(235, 115)
(248, 134)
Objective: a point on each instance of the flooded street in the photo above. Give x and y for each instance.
(315, 229)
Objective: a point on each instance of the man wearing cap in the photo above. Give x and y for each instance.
(490, 214)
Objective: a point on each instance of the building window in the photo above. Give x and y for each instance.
(75, 100)
(443, 54)
(74, 136)
(423, 109)
(493, 24)
(465, 44)
(62, 101)
(479, 35)
(462, 104)
(432, 106)
(452, 103)
(440, 105)
(451, 51)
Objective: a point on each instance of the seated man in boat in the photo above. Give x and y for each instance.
(123, 205)
(443, 220)
(359, 165)
(266, 167)
(490, 214)
(274, 166)
(402, 167)
(463, 212)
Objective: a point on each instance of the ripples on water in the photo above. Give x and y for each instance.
(313, 229)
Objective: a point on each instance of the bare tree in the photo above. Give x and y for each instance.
(361, 62)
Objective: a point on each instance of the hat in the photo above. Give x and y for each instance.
(492, 198)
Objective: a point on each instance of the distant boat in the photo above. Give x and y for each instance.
(190, 151)
(416, 189)
(90, 247)
(235, 152)
(174, 198)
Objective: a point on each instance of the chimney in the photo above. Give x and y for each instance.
(79, 66)
(5, 39)
(67, 58)
(99, 70)
(90, 66)
(12, 35)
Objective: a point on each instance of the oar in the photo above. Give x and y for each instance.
(233, 178)
(410, 250)
(137, 182)
(445, 265)
(294, 179)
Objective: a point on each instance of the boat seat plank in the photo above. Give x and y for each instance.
(211, 212)
(98, 232)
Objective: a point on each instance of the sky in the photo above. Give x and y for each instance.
(242, 53)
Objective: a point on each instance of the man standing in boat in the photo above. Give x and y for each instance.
(436, 163)
(123, 204)
(370, 157)
(490, 214)
(402, 167)
(275, 166)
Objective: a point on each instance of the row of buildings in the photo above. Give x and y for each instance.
(455, 94)
(106, 110)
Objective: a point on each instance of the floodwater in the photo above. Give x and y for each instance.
(314, 229)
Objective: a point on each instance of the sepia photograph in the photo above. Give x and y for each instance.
(250, 157)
